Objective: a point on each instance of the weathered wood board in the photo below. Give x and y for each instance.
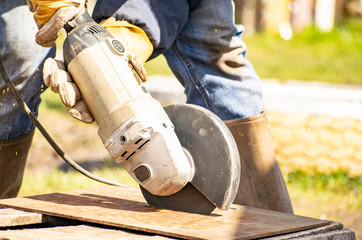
(126, 208)
(76, 232)
(11, 217)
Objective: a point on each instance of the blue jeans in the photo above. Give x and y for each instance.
(22, 59)
(209, 58)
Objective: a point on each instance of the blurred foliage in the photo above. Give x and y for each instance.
(158, 65)
(336, 182)
(336, 187)
(51, 101)
(311, 55)
(35, 183)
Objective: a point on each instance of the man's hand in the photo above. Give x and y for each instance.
(51, 15)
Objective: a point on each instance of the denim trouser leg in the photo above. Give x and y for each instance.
(22, 59)
(208, 58)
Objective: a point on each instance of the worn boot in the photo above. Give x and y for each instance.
(13, 154)
(261, 181)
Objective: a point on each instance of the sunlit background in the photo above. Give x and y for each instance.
(309, 56)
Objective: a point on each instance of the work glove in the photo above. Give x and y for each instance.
(56, 77)
(51, 15)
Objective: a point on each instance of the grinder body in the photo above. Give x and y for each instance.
(132, 125)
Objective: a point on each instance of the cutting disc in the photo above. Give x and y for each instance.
(215, 158)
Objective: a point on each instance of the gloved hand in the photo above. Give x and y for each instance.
(51, 15)
(55, 76)
(58, 79)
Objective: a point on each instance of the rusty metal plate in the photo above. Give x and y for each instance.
(126, 208)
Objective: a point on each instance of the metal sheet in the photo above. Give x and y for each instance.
(126, 208)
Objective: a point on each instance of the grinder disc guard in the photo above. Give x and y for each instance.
(215, 158)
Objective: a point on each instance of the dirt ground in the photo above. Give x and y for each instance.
(81, 142)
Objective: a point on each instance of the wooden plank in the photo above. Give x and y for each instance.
(75, 232)
(11, 217)
(126, 208)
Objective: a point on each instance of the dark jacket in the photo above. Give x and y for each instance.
(162, 20)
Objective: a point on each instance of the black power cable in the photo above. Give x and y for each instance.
(54, 145)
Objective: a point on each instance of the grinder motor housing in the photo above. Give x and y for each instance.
(133, 126)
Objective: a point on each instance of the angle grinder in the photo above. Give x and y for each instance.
(182, 156)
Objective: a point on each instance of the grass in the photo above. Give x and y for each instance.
(35, 183)
(158, 66)
(51, 102)
(333, 57)
(337, 187)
